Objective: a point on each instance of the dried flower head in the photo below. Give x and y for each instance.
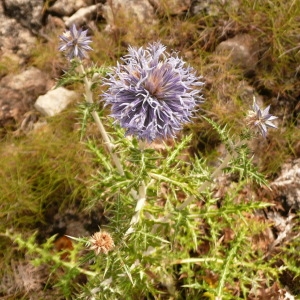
(75, 43)
(260, 119)
(152, 93)
(101, 242)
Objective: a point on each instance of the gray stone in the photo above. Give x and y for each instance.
(287, 185)
(67, 7)
(139, 12)
(83, 15)
(18, 94)
(28, 12)
(55, 101)
(16, 41)
(242, 51)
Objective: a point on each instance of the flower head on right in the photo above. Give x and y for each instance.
(260, 119)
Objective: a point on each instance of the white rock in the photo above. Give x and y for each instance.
(54, 101)
(139, 12)
(82, 15)
(67, 7)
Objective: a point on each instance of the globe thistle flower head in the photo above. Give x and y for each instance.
(260, 119)
(152, 93)
(101, 242)
(75, 43)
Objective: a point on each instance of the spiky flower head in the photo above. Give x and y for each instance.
(260, 119)
(152, 93)
(75, 43)
(101, 242)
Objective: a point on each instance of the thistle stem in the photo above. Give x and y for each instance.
(110, 146)
(141, 195)
(141, 199)
(139, 206)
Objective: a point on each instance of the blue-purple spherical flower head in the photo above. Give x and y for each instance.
(152, 93)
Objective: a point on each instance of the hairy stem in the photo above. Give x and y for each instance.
(139, 206)
(110, 146)
(141, 197)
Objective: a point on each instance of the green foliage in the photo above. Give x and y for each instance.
(172, 252)
(70, 76)
(45, 171)
(8, 66)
